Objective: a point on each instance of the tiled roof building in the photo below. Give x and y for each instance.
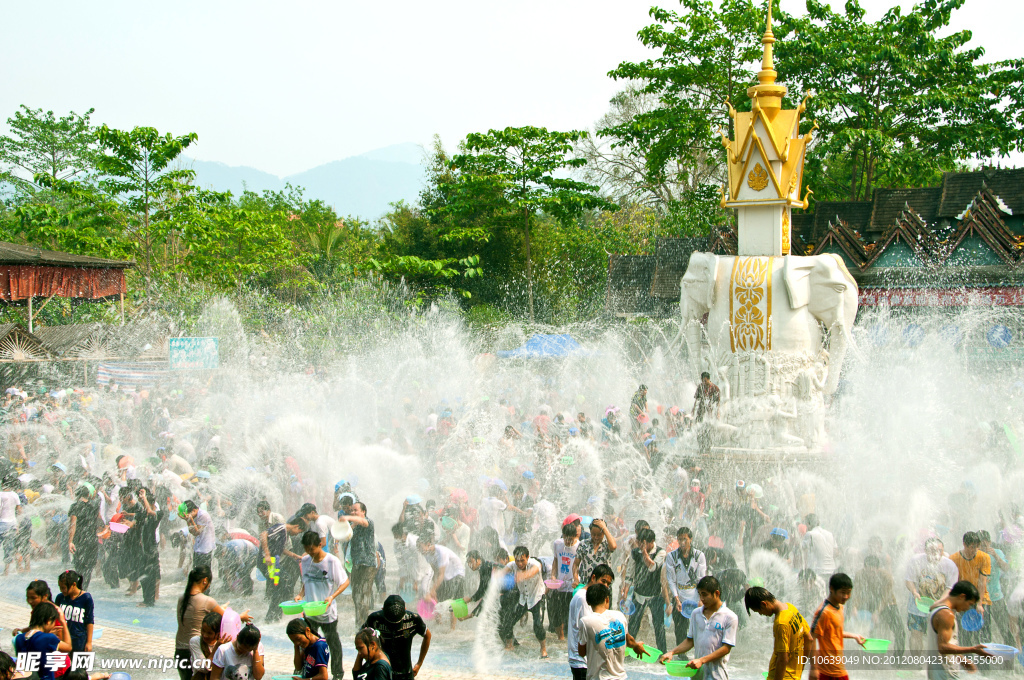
(956, 244)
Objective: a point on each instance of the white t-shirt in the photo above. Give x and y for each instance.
(932, 580)
(227, 657)
(491, 515)
(531, 590)
(708, 634)
(821, 551)
(205, 541)
(321, 579)
(564, 556)
(443, 558)
(322, 526)
(578, 608)
(8, 502)
(605, 637)
(462, 533)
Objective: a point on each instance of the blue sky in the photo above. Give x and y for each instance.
(285, 86)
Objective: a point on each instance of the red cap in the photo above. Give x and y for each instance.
(570, 519)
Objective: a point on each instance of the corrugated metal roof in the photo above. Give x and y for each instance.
(13, 253)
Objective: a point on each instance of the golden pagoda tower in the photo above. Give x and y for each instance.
(765, 162)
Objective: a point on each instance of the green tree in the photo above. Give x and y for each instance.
(43, 147)
(707, 55)
(136, 166)
(519, 165)
(900, 100)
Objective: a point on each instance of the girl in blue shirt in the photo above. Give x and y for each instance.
(312, 657)
(40, 641)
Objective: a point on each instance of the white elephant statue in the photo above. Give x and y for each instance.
(765, 318)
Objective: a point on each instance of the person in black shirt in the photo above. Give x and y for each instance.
(146, 522)
(84, 518)
(477, 563)
(397, 627)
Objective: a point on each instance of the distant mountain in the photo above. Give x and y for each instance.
(360, 185)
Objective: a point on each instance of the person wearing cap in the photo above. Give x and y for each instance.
(684, 568)
(777, 543)
(397, 627)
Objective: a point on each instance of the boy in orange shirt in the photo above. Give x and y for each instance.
(827, 629)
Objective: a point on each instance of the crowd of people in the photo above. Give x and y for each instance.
(597, 533)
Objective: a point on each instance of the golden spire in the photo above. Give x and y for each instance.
(767, 94)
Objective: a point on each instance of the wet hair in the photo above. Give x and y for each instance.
(305, 510)
(811, 521)
(213, 619)
(934, 541)
(640, 524)
(501, 556)
(368, 636)
(709, 584)
(297, 626)
(517, 489)
(971, 538)
(248, 636)
(684, 531)
(755, 597)
(362, 505)
(705, 374)
(398, 530)
(521, 551)
(474, 555)
(263, 505)
(965, 588)
(598, 594)
(81, 492)
(195, 576)
(872, 562)
(310, 539)
(494, 491)
(190, 505)
(647, 536)
(984, 536)
(46, 612)
(839, 581)
(70, 578)
(569, 529)
(600, 571)
(40, 588)
(7, 665)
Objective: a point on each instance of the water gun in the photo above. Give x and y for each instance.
(272, 570)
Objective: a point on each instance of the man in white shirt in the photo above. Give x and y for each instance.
(449, 571)
(712, 632)
(529, 581)
(200, 525)
(820, 548)
(323, 580)
(684, 567)
(603, 637)
(931, 575)
(578, 608)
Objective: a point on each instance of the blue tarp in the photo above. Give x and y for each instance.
(541, 346)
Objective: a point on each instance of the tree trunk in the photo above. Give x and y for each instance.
(529, 260)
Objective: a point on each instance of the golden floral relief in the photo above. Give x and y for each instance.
(758, 178)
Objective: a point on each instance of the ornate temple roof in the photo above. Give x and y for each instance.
(969, 232)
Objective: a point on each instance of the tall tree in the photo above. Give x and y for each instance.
(900, 100)
(518, 165)
(136, 165)
(707, 55)
(43, 147)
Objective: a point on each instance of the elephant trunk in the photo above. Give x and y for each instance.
(838, 344)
